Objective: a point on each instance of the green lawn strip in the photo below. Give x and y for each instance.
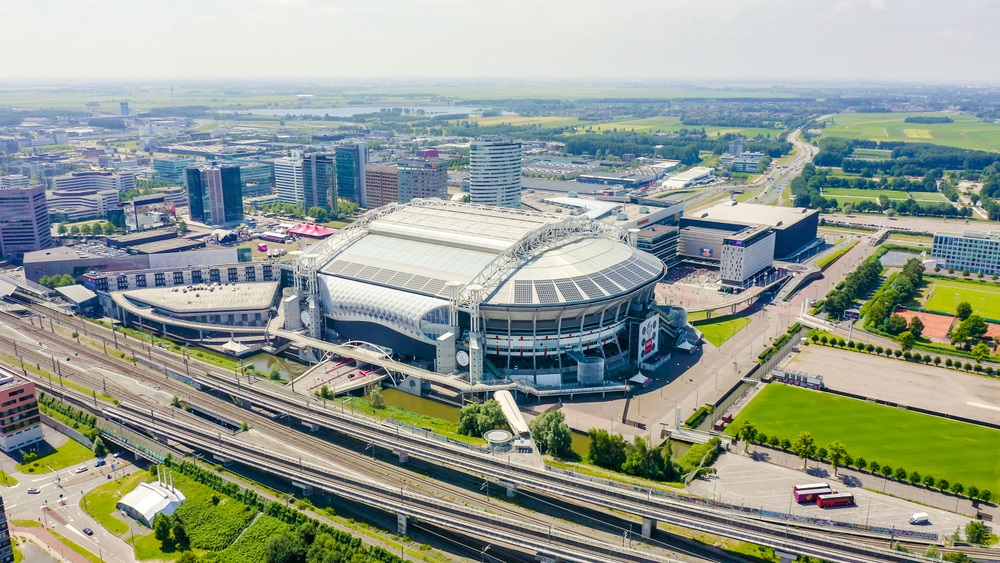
(943, 448)
(74, 385)
(584, 468)
(7, 480)
(69, 454)
(148, 547)
(252, 544)
(828, 260)
(719, 330)
(26, 523)
(102, 501)
(436, 425)
(945, 295)
(16, 547)
(75, 547)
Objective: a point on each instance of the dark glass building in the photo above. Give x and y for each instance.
(215, 194)
(6, 548)
(319, 186)
(351, 161)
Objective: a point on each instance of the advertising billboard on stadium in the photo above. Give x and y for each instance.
(648, 337)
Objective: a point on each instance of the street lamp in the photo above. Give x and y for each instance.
(691, 381)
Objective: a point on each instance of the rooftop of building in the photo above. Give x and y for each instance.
(753, 213)
(83, 250)
(140, 236)
(207, 297)
(10, 379)
(76, 293)
(150, 499)
(168, 245)
(994, 235)
(692, 173)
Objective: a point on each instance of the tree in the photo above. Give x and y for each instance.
(285, 548)
(943, 485)
(100, 450)
(74, 230)
(928, 481)
(895, 324)
(972, 492)
(86, 230)
(786, 444)
(901, 474)
(475, 419)
(886, 471)
(552, 434)
(957, 488)
(932, 552)
(182, 226)
(375, 397)
(861, 463)
(937, 360)
(188, 557)
(161, 528)
(62, 230)
(319, 214)
(914, 478)
(837, 452)
(181, 539)
(747, 432)
(606, 450)
(977, 532)
(804, 447)
(963, 310)
(907, 340)
(916, 326)
(774, 441)
(641, 460)
(986, 495)
(980, 351)
(821, 454)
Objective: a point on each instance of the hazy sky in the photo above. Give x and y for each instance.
(918, 40)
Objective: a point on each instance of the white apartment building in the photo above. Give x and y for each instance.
(289, 182)
(975, 251)
(495, 171)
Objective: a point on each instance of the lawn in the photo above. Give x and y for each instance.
(213, 520)
(966, 132)
(948, 449)
(521, 120)
(669, 124)
(721, 329)
(102, 501)
(824, 262)
(945, 295)
(252, 544)
(873, 195)
(69, 454)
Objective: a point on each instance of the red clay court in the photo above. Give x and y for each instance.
(935, 326)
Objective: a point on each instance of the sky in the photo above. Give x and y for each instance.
(673, 40)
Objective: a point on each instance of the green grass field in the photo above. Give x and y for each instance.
(518, 120)
(69, 454)
(824, 262)
(101, 502)
(948, 449)
(944, 296)
(668, 124)
(719, 330)
(966, 132)
(873, 195)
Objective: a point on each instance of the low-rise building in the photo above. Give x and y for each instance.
(688, 178)
(20, 421)
(976, 251)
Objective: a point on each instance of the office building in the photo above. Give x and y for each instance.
(382, 183)
(24, 221)
(794, 227)
(351, 162)
(495, 171)
(14, 181)
(20, 422)
(746, 254)
(82, 181)
(425, 178)
(214, 194)
(289, 185)
(256, 177)
(6, 547)
(975, 251)
(172, 169)
(318, 179)
(123, 106)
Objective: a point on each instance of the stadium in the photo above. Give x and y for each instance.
(483, 291)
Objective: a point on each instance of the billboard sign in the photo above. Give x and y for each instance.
(649, 332)
(706, 252)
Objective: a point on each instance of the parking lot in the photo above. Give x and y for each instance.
(741, 480)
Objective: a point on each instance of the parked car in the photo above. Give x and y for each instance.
(34, 491)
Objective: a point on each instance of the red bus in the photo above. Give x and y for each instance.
(810, 495)
(835, 499)
(798, 488)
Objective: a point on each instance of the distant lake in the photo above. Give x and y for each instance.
(351, 111)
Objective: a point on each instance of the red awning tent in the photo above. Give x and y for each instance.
(310, 230)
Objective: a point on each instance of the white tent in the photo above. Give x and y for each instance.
(639, 379)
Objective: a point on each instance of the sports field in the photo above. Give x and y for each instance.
(668, 124)
(873, 195)
(943, 448)
(966, 132)
(944, 296)
(719, 330)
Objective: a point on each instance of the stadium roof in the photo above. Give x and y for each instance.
(518, 257)
(754, 213)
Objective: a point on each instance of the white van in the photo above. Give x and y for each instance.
(920, 518)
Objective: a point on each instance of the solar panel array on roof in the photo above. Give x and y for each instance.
(387, 277)
(546, 291)
(588, 287)
(568, 289)
(523, 292)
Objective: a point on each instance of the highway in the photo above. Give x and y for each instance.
(276, 398)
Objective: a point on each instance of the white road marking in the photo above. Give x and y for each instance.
(982, 406)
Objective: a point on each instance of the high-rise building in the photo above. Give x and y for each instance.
(6, 547)
(214, 194)
(14, 181)
(20, 423)
(289, 185)
(318, 180)
(172, 169)
(495, 171)
(422, 178)
(256, 177)
(123, 105)
(24, 221)
(351, 162)
(382, 183)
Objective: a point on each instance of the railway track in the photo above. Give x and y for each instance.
(265, 395)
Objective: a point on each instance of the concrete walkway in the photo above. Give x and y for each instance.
(54, 547)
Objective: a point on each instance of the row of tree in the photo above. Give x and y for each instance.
(856, 285)
(979, 352)
(804, 446)
(880, 308)
(87, 229)
(53, 282)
